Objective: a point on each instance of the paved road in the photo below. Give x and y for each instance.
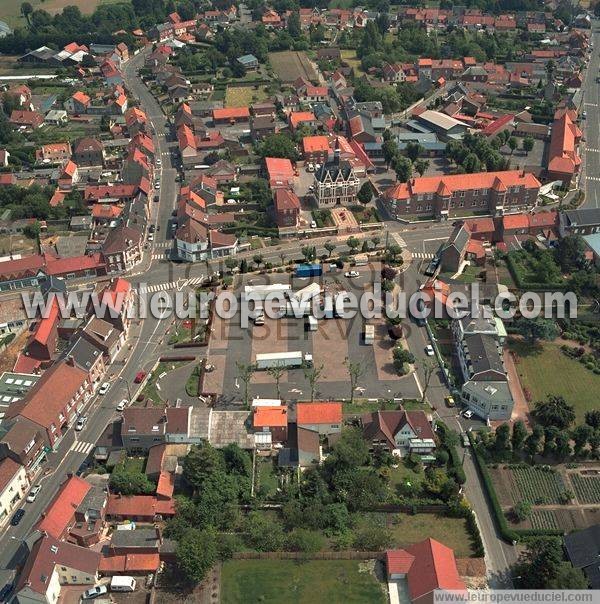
(591, 125)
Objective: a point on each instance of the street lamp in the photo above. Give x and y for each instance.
(122, 379)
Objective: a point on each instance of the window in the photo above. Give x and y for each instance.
(475, 192)
(134, 439)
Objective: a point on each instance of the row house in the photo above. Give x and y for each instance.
(24, 443)
(13, 486)
(88, 152)
(119, 193)
(446, 196)
(70, 387)
(336, 182)
(53, 153)
(122, 249)
(564, 160)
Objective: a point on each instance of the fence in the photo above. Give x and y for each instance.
(341, 555)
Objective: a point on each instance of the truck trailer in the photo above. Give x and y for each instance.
(289, 360)
(309, 270)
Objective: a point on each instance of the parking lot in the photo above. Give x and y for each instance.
(335, 340)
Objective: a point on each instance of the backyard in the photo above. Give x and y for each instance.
(544, 370)
(242, 96)
(10, 10)
(276, 580)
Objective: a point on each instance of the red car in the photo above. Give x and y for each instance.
(139, 377)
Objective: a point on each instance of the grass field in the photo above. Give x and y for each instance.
(242, 96)
(407, 529)
(10, 10)
(546, 370)
(291, 65)
(271, 581)
(349, 56)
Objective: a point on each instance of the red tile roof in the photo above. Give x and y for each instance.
(230, 113)
(81, 97)
(297, 117)
(166, 484)
(480, 225)
(319, 413)
(59, 514)
(140, 506)
(543, 219)
(286, 200)
(63, 266)
(63, 381)
(312, 144)
(47, 323)
(515, 221)
(279, 168)
(563, 155)
(497, 125)
(270, 417)
(134, 563)
(463, 182)
(8, 469)
(398, 561)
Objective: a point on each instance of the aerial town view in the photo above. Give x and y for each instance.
(299, 301)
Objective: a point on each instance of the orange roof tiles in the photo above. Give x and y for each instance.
(315, 144)
(135, 563)
(270, 417)
(47, 323)
(463, 182)
(563, 155)
(230, 113)
(81, 97)
(60, 512)
(297, 117)
(319, 413)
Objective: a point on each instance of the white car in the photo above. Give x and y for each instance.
(313, 225)
(34, 493)
(157, 185)
(150, 236)
(158, 161)
(122, 405)
(351, 274)
(81, 423)
(104, 388)
(429, 350)
(468, 414)
(94, 592)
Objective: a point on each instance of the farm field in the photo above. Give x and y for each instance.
(10, 10)
(291, 65)
(349, 56)
(242, 96)
(586, 488)
(532, 484)
(268, 580)
(546, 370)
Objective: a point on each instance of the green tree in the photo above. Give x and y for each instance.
(390, 151)
(421, 166)
(293, 25)
(258, 259)
(329, 246)
(562, 445)
(401, 358)
(592, 418)
(554, 411)
(528, 144)
(237, 460)
(352, 243)
(201, 462)
(372, 538)
(522, 510)
(196, 554)
(581, 436)
(126, 480)
(403, 168)
(413, 150)
(277, 373)
(365, 193)
(536, 329)
(355, 371)
(231, 263)
(569, 252)
(519, 433)
(245, 373)
(533, 442)
(278, 145)
(26, 10)
(304, 540)
(262, 533)
(312, 374)
(502, 440)
(512, 144)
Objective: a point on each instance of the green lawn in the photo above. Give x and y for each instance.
(546, 370)
(408, 529)
(266, 581)
(267, 479)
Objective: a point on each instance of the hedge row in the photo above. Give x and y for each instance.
(529, 285)
(455, 464)
(505, 531)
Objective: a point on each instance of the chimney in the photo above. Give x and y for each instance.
(70, 361)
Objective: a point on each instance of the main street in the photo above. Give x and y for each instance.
(591, 125)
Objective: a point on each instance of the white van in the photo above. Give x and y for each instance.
(122, 583)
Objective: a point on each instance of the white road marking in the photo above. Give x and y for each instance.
(82, 447)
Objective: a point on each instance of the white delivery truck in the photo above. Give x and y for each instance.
(122, 583)
(369, 334)
(313, 324)
(283, 359)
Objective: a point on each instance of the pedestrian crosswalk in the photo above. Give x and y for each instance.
(161, 245)
(595, 178)
(82, 447)
(399, 240)
(171, 286)
(423, 255)
(592, 150)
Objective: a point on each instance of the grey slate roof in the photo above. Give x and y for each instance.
(484, 354)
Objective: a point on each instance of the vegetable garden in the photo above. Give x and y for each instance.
(587, 488)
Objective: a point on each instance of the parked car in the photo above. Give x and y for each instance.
(157, 185)
(468, 414)
(449, 401)
(104, 388)
(34, 493)
(122, 405)
(583, 114)
(81, 422)
(5, 592)
(152, 228)
(139, 377)
(17, 517)
(94, 592)
(351, 274)
(313, 225)
(429, 350)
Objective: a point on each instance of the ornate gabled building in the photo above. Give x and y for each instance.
(336, 182)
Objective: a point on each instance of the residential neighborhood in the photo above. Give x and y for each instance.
(298, 301)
